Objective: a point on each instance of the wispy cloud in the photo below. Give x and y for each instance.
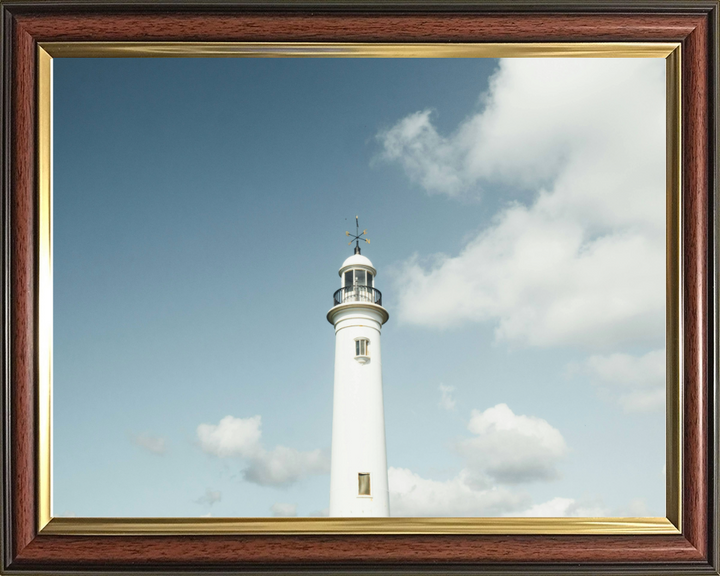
(637, 383)
(446, 400)
(284, 510)
(240, 437)
(560, 507)
(154, 444)
(586, 507)
(210, 497)
(637, 508)
(435, 162)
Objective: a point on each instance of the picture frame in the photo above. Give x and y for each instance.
(34, 32)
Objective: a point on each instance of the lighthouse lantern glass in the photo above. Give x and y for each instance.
(360, 277)
(348, 278)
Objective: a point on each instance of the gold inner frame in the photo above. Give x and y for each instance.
(671, 524)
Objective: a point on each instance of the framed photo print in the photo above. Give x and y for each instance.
(294, 287)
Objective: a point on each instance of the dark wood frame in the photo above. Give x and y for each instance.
(693, 23)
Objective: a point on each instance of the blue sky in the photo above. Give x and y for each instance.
(516, 215)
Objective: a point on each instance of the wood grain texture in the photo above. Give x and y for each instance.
(697, 226)
(320, 27)
(368, 550)
(6, 311)
(688, 552)
(22, 292)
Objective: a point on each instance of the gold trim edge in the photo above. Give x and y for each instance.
(674, 296)
(357, 50)
(225, 526)
(115, 526)
(45, 289)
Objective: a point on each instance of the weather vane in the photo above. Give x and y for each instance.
(357, 236)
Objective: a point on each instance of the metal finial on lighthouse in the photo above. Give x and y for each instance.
(357, 236)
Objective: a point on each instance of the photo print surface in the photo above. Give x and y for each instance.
(516, 215)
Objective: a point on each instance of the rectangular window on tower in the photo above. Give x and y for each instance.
(369, 279)
(363, 484)
(348, 279)
(361, 347)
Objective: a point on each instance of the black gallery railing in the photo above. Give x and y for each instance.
(357, 294)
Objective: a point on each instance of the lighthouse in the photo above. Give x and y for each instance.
(358, 469)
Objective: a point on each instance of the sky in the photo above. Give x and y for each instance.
(516, 214)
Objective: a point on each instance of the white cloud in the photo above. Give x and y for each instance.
(210, 497)
(510, 448)
(231, 437)
(280, 466)
(636, 382)
(154, 444)
(446, 400)
(505, 449)
(561, 507)
(283, 510)
(583, 262)
(412, 495)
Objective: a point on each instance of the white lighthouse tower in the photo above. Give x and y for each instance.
(358, 471)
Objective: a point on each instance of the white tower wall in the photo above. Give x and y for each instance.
(358, 433)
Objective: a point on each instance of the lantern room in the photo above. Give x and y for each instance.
(357, 282)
